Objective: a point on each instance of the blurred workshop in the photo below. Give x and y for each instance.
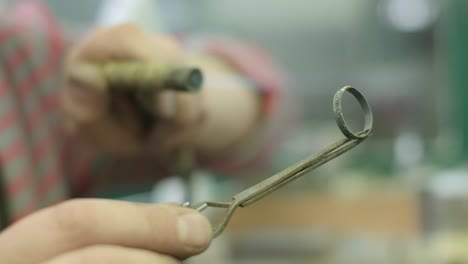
(399, 197)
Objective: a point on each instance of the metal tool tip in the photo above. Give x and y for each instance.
(195, 79)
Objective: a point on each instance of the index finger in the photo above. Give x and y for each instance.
(123, 42)
(127, 42)
(76, 224)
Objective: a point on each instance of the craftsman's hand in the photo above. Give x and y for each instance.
(104, 231)
(86, 103)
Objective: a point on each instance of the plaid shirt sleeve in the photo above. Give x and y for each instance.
(32, 171)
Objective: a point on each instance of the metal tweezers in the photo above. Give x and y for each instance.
(267, 186)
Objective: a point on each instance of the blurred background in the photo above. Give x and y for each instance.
(402, 195)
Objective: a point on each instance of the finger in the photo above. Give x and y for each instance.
(183, 113)
(188, 109)
(112, 254)
(165, 105)
(182, 109)
(167, 48)
(75, 224)
(123, 42)
(84, 97)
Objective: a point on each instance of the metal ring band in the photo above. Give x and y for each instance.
(338, 109)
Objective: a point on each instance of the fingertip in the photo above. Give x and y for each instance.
(188, 109)
(84, 96)
(194, 232)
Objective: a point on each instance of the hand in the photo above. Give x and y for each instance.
(86, 103)
(104, 231)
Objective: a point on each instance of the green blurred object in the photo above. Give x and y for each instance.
(456, 49)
